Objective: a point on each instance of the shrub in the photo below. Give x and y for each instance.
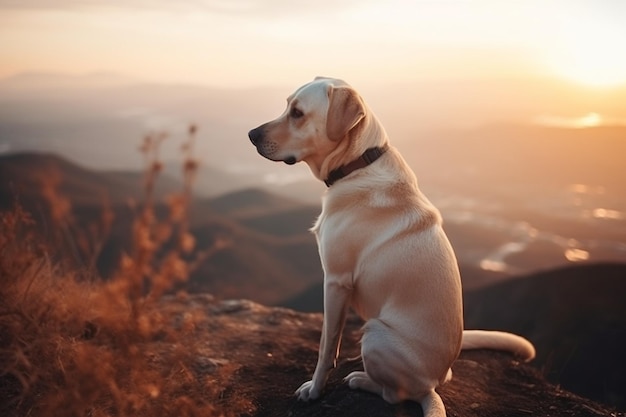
(73, 345)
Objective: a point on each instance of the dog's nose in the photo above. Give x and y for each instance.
(256, 135)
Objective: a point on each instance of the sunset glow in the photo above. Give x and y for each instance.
(246, 43)
(596, 65)
(592, 54)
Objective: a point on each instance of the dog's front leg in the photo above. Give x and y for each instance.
(336, 303)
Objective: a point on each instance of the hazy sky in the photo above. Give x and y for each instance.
(231, 43)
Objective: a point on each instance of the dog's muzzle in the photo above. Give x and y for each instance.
(265, 149)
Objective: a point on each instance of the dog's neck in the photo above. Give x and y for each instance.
(368, 157)
(351, 151)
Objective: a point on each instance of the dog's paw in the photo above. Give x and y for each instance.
(355, 379)
(360, 380)
(308, 391)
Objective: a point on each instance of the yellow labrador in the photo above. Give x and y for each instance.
(383, 251)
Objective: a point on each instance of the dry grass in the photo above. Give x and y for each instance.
(82, 347)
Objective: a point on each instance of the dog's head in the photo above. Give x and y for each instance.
(319, 116)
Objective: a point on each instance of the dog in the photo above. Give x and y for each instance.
(383, 251)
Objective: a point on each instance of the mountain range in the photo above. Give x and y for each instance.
(574, 315)
(480, 233)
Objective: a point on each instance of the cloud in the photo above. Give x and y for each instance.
(587, 120)
(231, 7)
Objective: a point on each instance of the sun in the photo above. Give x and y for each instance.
(591, 54)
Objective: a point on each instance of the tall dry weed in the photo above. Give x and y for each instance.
(70, 242)
(76, 347)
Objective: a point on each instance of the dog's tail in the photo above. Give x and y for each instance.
(432, 406)
(483, 339)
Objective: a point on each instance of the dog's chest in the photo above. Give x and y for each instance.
(341, 237)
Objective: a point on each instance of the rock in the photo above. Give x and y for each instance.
(275, 350)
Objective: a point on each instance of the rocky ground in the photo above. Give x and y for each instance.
(260, 355)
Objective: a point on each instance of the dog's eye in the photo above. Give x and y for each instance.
(295, 113)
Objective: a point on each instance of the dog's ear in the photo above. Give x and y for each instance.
(345, 111)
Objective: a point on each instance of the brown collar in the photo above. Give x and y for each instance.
(368, 157)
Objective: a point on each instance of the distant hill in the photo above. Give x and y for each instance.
(38, 81)
(26, 174)
(575, 316)
(524, 162)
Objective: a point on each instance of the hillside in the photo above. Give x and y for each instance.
(576, 317)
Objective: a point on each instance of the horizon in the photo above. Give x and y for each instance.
(89, 78)
(99, 118)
